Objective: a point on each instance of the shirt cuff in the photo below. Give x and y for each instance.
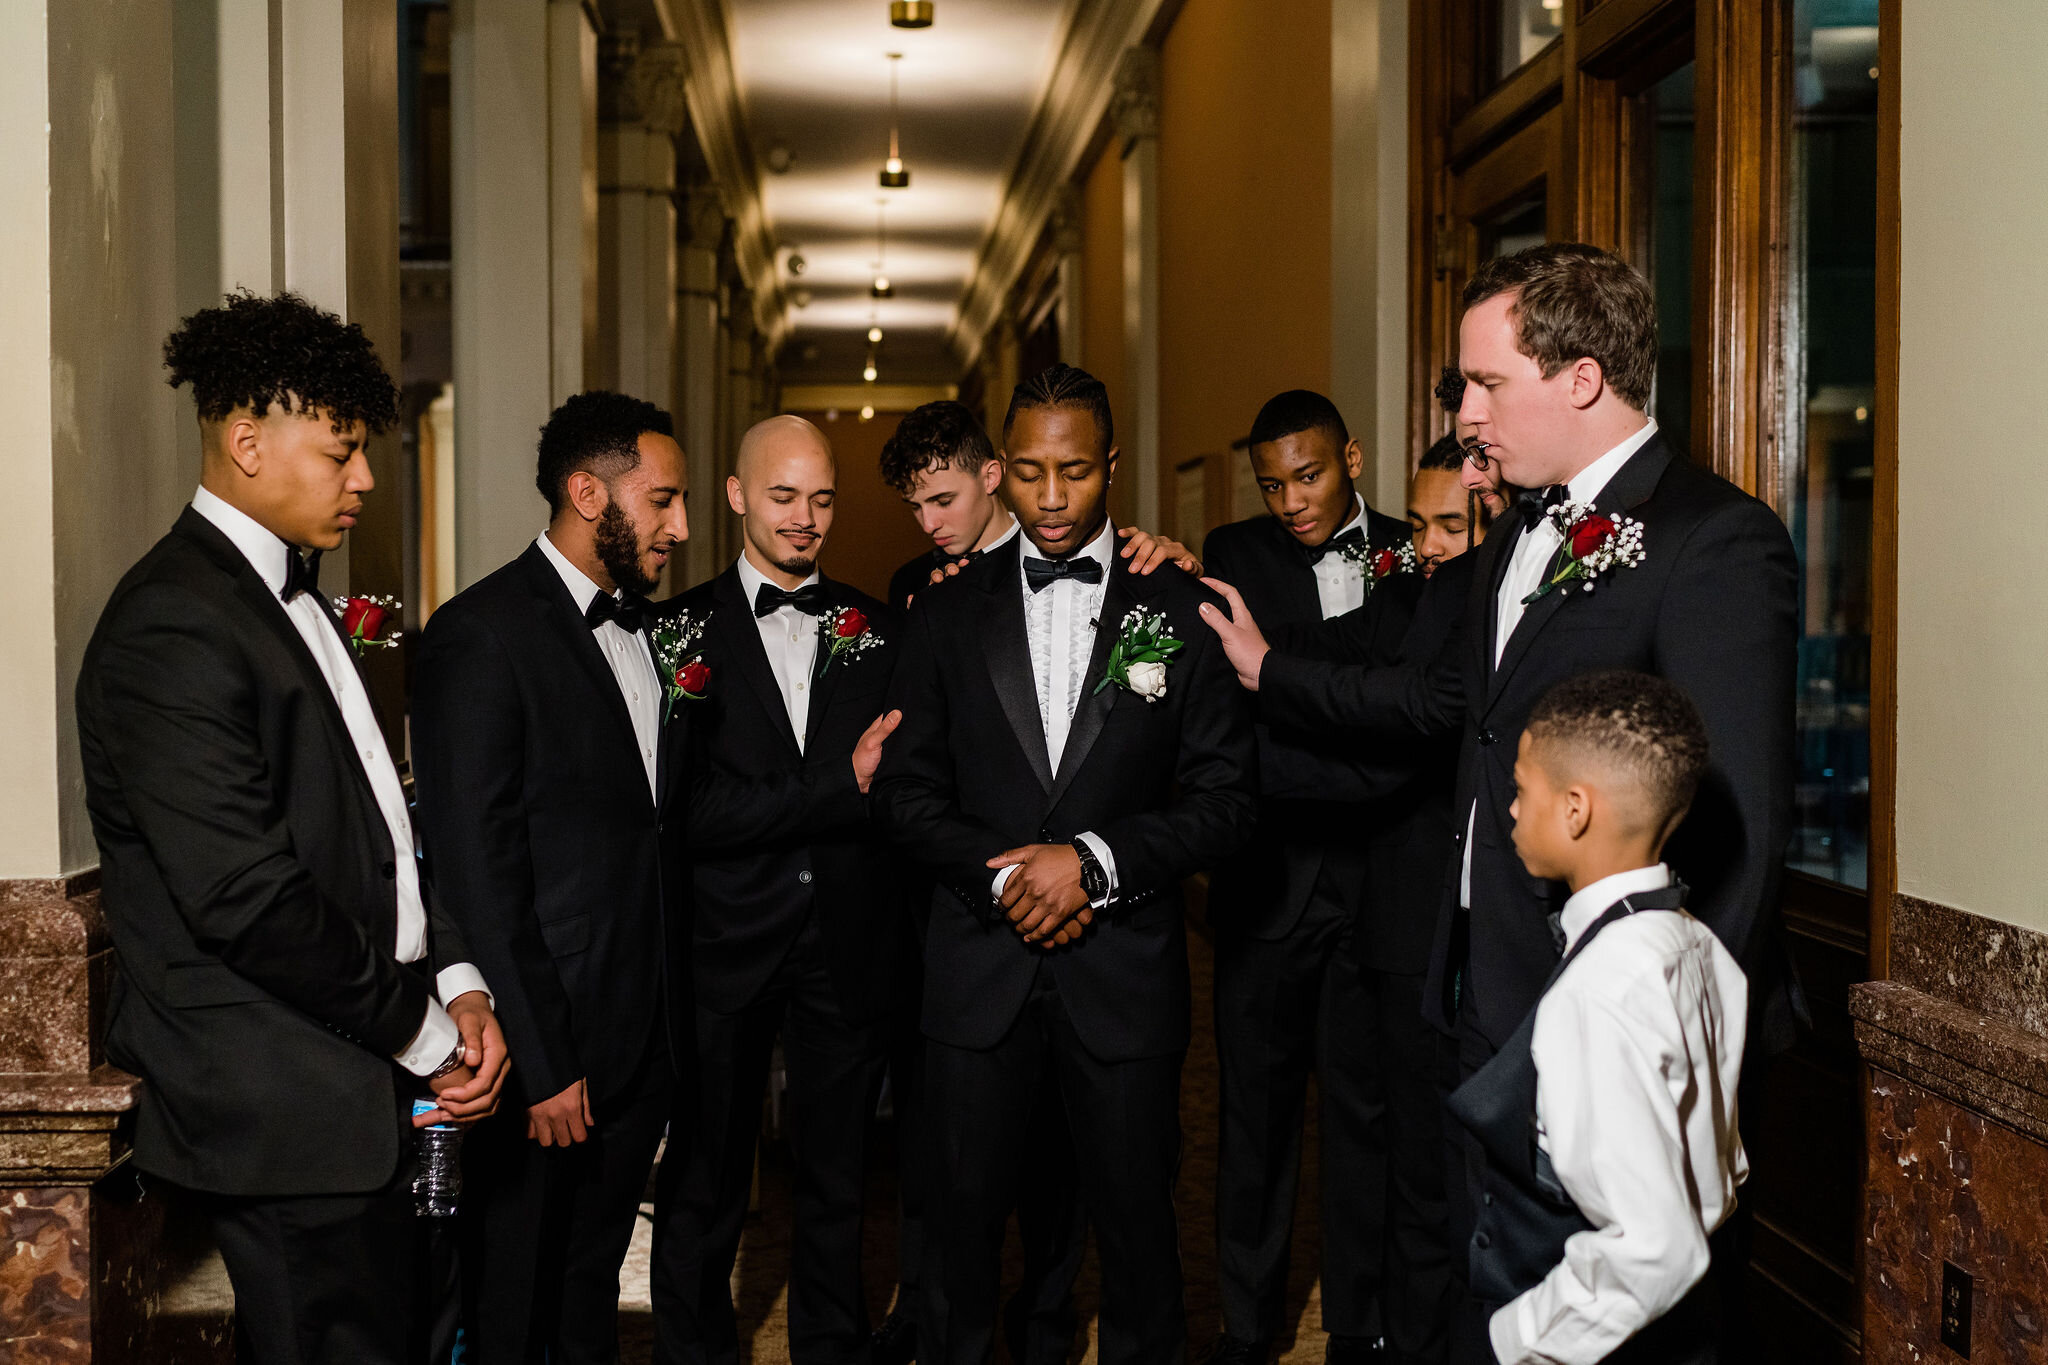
(432, 1044)
(1002, 879)
(1504, 1334)
(1108, 861)
(461, 979)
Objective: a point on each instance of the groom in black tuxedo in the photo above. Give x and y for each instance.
(1058, 798)
(796, 934)
(281, 965)
(1559, 345)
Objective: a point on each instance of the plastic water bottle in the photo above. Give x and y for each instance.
(437, 1187)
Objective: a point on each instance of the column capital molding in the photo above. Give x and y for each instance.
(1063, 129)
(1135, 103)
(657, 79)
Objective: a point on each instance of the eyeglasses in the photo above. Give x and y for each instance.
(1475, 454)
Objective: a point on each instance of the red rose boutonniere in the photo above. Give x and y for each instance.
(1378, 562)
(1593, 544)
(684, 674)
(364, 620)
(846, 634)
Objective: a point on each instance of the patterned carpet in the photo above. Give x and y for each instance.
(760, 1280)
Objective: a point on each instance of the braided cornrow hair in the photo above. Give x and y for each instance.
(1063, 386)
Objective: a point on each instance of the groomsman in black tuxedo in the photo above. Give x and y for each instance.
(1059, 780)
(941, 462)
(795, 935)
(549, 750)
(285, 981)
(1690, 579)
(1302, 961)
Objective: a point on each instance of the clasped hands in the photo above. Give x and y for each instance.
(470, 1092)
(1043, 897)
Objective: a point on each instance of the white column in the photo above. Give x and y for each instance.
(637, 218)
(523, 267)
(1369, 377)
(697, 376)
(88, 134)
(1136, 109)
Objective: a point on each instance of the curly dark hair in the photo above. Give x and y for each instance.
(251, 352)
(1644, 726)
(1296, 411)
(941, 435)
(597, 431)
(1063, 386)
(1450, 389)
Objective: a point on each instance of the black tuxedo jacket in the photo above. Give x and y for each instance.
(913, 578)
(562, 868)
(1713, 608)
(249, 882)
(1313, 790)
(753, 895)
(1169, 785)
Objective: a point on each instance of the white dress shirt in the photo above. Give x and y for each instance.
(1340, 581)
(310, 616)
(1531, 556)
(1638, 1049)
(1060, 622)
(630, 657)
(791, 641)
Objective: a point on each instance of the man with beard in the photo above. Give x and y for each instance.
(547, 748)
(794, 934)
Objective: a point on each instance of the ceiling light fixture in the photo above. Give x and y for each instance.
(874, 334)
(881, 288)
(894, 175)
(868, 374)
(867, 414)
(910, 13)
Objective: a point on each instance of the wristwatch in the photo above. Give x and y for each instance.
(1094, 881)
(454, 1063)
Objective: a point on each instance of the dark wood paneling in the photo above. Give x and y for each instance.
(1884, 530)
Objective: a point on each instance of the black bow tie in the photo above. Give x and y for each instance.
(301, 574)
(1081, 568)
(1535, 506)
(1335, 544)
(809, 599)
(628, 613)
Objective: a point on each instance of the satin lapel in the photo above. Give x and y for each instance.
(1007, 648)
(557, 610)
(740, 636)
(1123, 593)
(1631, 484)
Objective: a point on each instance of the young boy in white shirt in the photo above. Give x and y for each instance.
(1608, 1119)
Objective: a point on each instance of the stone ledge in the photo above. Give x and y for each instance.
(1997, 1069)
(64, 1129)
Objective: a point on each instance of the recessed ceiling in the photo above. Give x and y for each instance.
(813, 78)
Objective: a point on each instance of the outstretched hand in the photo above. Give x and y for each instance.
(1147, 552)
(1243, 644)
(867, 755)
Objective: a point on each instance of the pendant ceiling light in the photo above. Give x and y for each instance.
(881, 288)
(894, 174)
(910, 13)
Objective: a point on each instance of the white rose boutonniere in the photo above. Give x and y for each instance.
(1137, 661)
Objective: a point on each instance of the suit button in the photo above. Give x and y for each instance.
(804, 876)
(390, 871)
(1486, 1199)
(1481, 1240)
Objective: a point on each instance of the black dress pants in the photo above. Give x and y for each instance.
(1306, 1001)
(835, 1075)
(325, 1279)
(1124, 1125)
(545, 1229)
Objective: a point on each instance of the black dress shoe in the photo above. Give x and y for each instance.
(895, 1341)
(1230, 1350)
(1355, 1351)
